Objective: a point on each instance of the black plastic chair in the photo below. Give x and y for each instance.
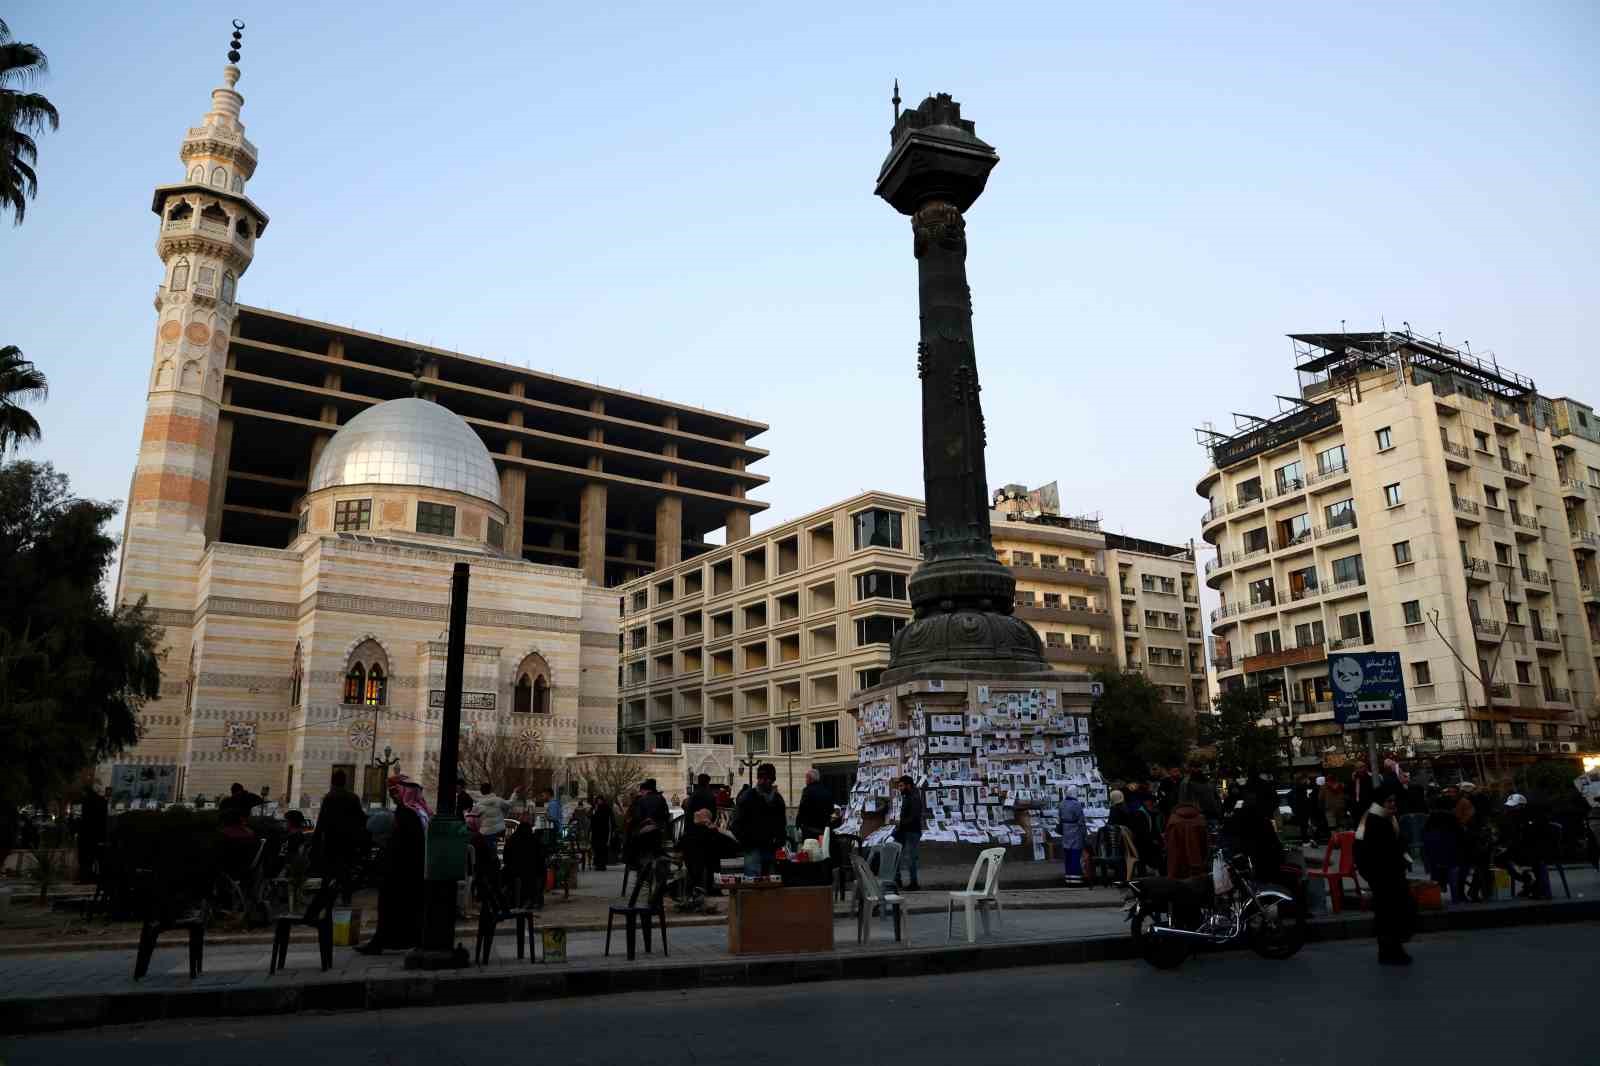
(495, 907)
(319, 916)
(163, 913)
(652, 881)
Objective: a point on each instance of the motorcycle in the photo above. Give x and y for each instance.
(1170, 918)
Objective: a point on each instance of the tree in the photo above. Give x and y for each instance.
(74, 671)
(20, 382)
(506, 760)
(22, 114)
(1133, 729)
(612, 776)
(1242, 742)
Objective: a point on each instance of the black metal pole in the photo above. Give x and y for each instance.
(447, 833)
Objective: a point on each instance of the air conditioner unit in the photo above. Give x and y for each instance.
(1569, 747)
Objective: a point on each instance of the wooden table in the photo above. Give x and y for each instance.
(771, 919)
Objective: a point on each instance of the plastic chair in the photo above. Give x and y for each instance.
(978, 899)
(870, 893)
(888, 855)
(319, 916)
(654, 878)
(162, 913)
(1341, 849)
(1109, 858)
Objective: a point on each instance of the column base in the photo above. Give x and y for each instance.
(966, 643)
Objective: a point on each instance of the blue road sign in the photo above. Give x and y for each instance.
(1367, 687)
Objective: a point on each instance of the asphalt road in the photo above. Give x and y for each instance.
(1514, 995)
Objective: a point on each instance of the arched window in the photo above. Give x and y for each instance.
(377, 686)
(213, 213)
(296, 673)
(227, 288)
(522, 696)
(219, 178)
(355, 682)
(180, 276)
(198, 173)
(531, 692)
(242, 227)
(238, 183)
(181, 213)
(541, 695)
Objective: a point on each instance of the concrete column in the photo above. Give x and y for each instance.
(219, 477)
(669, 531)
(514, 483)
(737, 524)
(592, 532)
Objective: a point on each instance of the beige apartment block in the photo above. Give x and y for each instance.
(1157, 625)
(1411, 501)
(762, 643)
(1577, 450)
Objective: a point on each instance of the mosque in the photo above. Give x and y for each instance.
(303, 490)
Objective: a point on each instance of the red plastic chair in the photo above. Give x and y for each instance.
(1339, 865)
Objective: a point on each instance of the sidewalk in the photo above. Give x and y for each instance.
(78, 989)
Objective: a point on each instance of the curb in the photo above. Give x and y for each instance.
(19, 1016)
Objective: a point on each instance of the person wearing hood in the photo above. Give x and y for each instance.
(1381, 860)
(1186, 838)
(1074, 834)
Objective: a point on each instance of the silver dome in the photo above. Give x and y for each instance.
(408, 442)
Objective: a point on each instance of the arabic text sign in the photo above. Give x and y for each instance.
(1367, 687)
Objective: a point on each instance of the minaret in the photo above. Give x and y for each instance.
(206, 241)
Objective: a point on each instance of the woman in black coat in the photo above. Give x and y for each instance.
(600, 827)
(1381, 860)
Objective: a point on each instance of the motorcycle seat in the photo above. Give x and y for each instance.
(1195, 890)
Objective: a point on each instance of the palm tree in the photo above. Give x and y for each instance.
(21, 115)
(20, 382)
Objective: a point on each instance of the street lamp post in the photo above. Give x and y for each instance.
(386, 764)
(788, 723)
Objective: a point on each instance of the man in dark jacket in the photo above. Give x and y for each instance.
(238, 797)
(91, 832)
(816, 806)
(703, 798)
(1381, 861)
(649, 820)
(908, 831)
(760, 822)
(341, 834)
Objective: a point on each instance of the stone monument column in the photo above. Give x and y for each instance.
(961, 594)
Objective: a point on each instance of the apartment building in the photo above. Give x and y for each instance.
(1412, 500)
(1158, 626)
(761, 644)
(1577, 451)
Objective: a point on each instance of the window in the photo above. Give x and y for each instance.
(1491, 496)
(436, 518)
(691, 735)
(198, 173)
(1149, 582)
(1289, 477)
(1331, 460)
(1261, 591)
(1524, 674)
(1296, 530)
(662, 741)
(1055, 640)
(880, 583)
(1021, 558)
(180, 276)
(1080, 642)
(1421, 673)
(205, 277)
(1052, 599)
(1250, 491)
(351, 515)
(1356, 628)
(1385, 441)
(788, 739)
(722, 738)
(1502, 554)
(877, 629)
(1411, 611)
(238, 183)
(1050, 562)
(219, 178)
(869, 678)
(877, 528)
(1302, 583)
(227, 288)
(1480, 440)
(1513, 612)
(1402, 552)
(497, 535)
(296, 673)
(1308, 634)
(1391, 495)
(755, 741)
(1077, 603)
(377, 687)
(825, 735)
(1268, 642)
(1255, 540)
(1349, 569)
(1340, 514)
(1025, 598)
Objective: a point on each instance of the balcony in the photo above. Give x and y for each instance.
(1098, 617)
(1129, 594)
(1457, 455)
(1305, 592)
(1572, 488)
(1345, 588)
(1525, 528)
(1129, 627)
(1082, 576)
(1466, 511)
(1500, 690)
(1515, 471)
(1222, 662)
(1535, 579)
(1346, 643)
(1478, 570)
(1487, 629)
(1277, 660)
(1329, 476)
(1587, 592)
(1096, 658)
(1584, 541)
(1543, 634)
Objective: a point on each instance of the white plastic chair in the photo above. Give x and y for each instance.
(888, 863)
(975, 899)
(870, 892)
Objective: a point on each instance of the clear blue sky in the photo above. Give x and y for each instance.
(678, 201)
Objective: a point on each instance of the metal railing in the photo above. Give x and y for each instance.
(1458, 450)
(1500, 690)
(1487, 625)
(1477, 568)
(1465, 506)
(1573, 485)
(1524, 522)
(1329, 474)
(1557, 695)
(1511, 466)
(1345, 586)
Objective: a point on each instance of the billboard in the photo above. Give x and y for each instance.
(1367, 687)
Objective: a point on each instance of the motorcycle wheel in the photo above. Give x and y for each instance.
(1273, 936)
(1162, 952)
